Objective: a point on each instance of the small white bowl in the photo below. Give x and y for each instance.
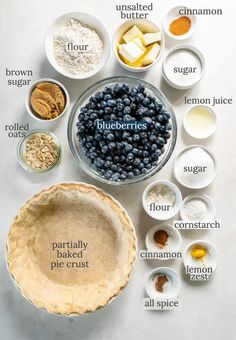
(173, 286)
(189, 48)
(211, 259)
(173, 14)
(86, 19)
(145, 26)
(196, 186)
(208, 133)
(173, 243)
(30, 110)
(211, 209)
(163, 215)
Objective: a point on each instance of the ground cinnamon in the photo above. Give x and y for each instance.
(160, 282)
(180, 26)
(161, 237)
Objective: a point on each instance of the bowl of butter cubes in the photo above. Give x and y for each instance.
(138, 45)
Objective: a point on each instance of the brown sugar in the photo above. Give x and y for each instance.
(48, 100)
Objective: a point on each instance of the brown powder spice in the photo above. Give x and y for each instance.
(161, 237)
(160, 282)
(180, 26)
(41, 151)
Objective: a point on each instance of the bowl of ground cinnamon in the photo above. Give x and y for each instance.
(47, 100)
(180, 23)
(164, 242)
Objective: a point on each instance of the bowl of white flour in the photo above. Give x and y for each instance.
(77, 45)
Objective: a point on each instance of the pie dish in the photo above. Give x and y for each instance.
(59, 221)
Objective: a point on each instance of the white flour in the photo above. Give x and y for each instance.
(77, 61)
(161, 194)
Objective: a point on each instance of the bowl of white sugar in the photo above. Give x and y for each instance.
(183, 67)
(77, 45)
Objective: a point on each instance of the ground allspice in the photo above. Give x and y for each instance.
(160, 282)
(161, 237)
(180, 26)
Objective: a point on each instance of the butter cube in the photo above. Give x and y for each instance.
(150, 38)
(138, 41)
(151, 56)
(131, 51)
(134, 32)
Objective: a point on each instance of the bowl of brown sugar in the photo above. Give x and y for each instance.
(47, 100)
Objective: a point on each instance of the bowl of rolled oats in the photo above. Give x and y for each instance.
(39, 151)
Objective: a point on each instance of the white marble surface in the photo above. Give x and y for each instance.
(206, 310)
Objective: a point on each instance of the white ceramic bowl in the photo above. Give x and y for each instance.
(86, 19)
(195, 186)
(211, 209)
(145, 26)
(208, 133)
(173, 286)
(163, 215)
(173, 243)
(210, 260)
(29, 108)
(178, 85)
(173, 14)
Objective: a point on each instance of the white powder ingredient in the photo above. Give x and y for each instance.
(161, 194)
(195, 209)
(77, 62)
(181, 59)
(195, 158)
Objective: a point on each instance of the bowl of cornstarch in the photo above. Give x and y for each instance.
(77, 45)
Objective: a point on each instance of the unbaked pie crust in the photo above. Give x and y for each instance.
(71, 212)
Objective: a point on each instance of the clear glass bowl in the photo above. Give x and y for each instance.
(76, 147)
(21, 148)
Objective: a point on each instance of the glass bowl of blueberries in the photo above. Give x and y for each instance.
(122, 130)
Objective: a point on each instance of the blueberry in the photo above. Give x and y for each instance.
(125, 135)
(127, 110)
(118, 90)
(140, 97)
(108, 110)
(123, 175)
(146, 161)
(103, 104)
(141, 88)
(168, 127)
(127, 117)
(114, 167)
(136, 138)
(126, 101)
(110, 136)
(107, 97)
(130, 175)
(112, 146)
(99, 162)
(135, 151)
(128, 147)
(120, 107)
(146, 101)
(160, 140)
(99, 95)
(104, 149)
(137, 162)
(98, 136)
(136, 172)
(107, 164)
(115, 177)
(125, 88)
(153, 147)
(83, 110)
(160, 118)
(111, 103)
(108, 174)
